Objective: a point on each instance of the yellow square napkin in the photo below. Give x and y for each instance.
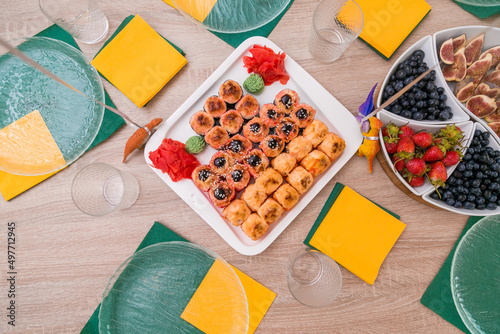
(207, 310)
(30, 141)
(387, 23)
(197, 9)
(355, 232)
(138, 61)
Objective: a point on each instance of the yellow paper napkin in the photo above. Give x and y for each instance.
(355, 232)
(196, 8)
(138, 61)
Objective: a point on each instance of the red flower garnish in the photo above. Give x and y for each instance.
(172, 158)
(269, 65)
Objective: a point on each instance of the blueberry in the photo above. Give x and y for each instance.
(471, 198)
(434, 95)
(398, 86)
(406, 113)
(419, 96)
(476, 191)
(469, 205)
(408, 69)
(494, 186)
(476, 183)
(450, 201)
(493, 198)
(430, 86)
(442, 97)
(481, 206)
(389, 90)
(418, 116)
(440, 90)
(468, 173)
(420, 104)
(408, 80)
(419, 53)
(480, 200)
(491, 206)
(435, 195)
(421, 70)
(458, 205)
(400, 74)
(461, 198)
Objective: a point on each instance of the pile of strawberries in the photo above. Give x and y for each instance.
(423, 154)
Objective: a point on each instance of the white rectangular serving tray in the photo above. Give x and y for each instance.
(329, 110)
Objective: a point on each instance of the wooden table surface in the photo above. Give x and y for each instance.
(64, 258)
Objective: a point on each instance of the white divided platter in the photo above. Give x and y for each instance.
(329, 110)
(427, 197)
(386, 117)
(491, 39)
(426, 45)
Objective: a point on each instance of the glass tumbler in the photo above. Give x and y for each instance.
(335, 25)
(99, 189)
(81, 18)
(314, 279)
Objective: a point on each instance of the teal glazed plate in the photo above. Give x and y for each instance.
(72, 119)
(152, 289)
(475, 277)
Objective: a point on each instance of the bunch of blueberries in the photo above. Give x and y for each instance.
(424, 101)
(475, 183)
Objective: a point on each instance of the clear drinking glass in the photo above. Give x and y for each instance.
(81, 18)
(99, 189)
(314, 279)
(335, 25)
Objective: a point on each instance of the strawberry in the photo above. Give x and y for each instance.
(416, 166)
(416, 181)
(452, 133)
(391, 147)
(391, 130)
(451, 158)
(405, 148)
(406, 131)
(399, 163)
(433, 153)
(437, 175)
(422, 139)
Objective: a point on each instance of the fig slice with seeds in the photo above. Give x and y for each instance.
(459, 42)
(473, 49)
(464, 92)
(446, 52)
(484, 89)
(492, 77)
(495, 126)
(495, 53)
(457, 70)
(481, 105)
(479, 68)
(495, 116)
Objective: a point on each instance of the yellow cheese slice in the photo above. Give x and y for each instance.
(27, 147)
(357, 234)
(138, 61)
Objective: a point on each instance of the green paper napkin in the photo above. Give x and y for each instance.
(111, 121)
(481, 12)
(235, 39)
(329, 202)
(438, 295)
(157, 233)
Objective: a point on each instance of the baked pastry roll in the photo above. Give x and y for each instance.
(221, 194)
(215, 106)
(217, 137)
(248, 107)
(231, 121)
(256, 162)
(270, 210)
(286, 100)
(300, 179)
(315, 162)
(256, 130)
(303, 114)
(230, 91)
(284, 163)
(271, 114)
(315, 132)
(254, 226)
(272, 145)
(201, 122)
(287, 129)
(299, 147)
(269, 181)
(332, 145)
(220, 162)
(286, 196)
(238, 177)
(238, 147)
(236, 212)
(203, 177)
(253, 197)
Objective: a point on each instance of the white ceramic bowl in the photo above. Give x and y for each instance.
(427, 187)
(427, 196)
(491, 39)
(426, 44)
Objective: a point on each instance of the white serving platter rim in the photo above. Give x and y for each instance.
(329, 110)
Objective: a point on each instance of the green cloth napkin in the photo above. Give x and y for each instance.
(438, 295)
(481, 12)
(157, 233)
(235, 39)
(111, 121)
(329, 202)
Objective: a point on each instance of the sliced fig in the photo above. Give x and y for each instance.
(465, 92)
(473, 49)
(459, 42)
(484, 89)
(494, 117)
(446, 52)
(498, 67)
(495, 53)
(479, 68)
(457, 70)
(481, 105)
(495, 126)
(493, 77)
